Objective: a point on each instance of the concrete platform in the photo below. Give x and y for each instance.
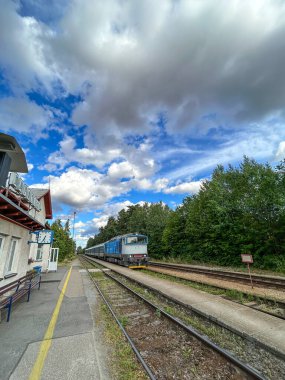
(264, 328)
(75, 352)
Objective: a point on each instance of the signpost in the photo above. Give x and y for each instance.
(248, 259)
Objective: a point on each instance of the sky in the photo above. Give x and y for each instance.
(117, 102)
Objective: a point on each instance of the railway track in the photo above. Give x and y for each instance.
(167, 347)
(258, 302)
(258, 280)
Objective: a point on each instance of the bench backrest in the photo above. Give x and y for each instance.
(13, 285)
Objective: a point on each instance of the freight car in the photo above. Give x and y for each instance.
(129, 250)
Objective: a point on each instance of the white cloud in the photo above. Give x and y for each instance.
(280, 154)
(79, 225)
(258, 143)
(86, 189)
(83, 189)
(121, 170)
(91, 227)
(130, 54)
(130, 61)
(23, 115)
(30, 167)
(137, 163)
(68, 153)
(23, 53)
(184, 188)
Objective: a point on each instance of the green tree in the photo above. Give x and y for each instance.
(62, 239)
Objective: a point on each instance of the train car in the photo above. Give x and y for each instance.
(129, 250)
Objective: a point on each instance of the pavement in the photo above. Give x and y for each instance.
(268, 330)
(74, 350)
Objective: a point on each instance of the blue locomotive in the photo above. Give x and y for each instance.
(129, 250)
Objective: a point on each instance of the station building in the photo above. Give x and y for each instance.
(23, 211)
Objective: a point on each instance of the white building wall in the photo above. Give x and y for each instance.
(39, 215)
(45, 256)
(20, 264)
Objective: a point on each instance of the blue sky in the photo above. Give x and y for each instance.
(120, 102)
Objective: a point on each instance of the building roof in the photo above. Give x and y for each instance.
(39, 193)
(14, 210)
(44, 193)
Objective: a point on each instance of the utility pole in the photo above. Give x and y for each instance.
(74, 214)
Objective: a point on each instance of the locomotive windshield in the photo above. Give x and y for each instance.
(136, 240)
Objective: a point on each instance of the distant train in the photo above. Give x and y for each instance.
(129, 250)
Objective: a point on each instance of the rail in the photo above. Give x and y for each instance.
(274, 282)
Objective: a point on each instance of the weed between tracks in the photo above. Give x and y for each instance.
(123, 363)
(122, 360)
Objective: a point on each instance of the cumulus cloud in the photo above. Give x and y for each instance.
(257, 142)
(131, 61)
(136, 162)
(280, 154)
(183, 58)
(91, 227)
(83, 188)
(87, 156)
(24, 57)
(86, 189)
(184, 188)
(23, 115)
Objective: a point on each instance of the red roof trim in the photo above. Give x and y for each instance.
(48, 206)
(14, 214)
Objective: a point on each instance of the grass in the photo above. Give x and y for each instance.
(124, 364)
(187, 352)
(67, 260)
(242, 268)
(124, 321)
(97, 275)
(122, 360)
(232, 294)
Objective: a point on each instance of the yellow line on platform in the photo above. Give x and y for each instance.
(46, 343)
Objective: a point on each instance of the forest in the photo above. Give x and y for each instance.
(239, 210)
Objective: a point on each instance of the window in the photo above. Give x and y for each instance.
(39, 255)
(136, 240)
(11, 256)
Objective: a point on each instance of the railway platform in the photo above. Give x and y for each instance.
(54, 336)
(265, 329)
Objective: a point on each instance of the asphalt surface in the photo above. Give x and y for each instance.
(75, 352)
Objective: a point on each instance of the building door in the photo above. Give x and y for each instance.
(53, 258)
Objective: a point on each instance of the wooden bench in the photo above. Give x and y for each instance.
(12, 292)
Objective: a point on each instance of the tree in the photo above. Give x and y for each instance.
(62, 239)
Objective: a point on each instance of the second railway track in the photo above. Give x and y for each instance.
(170, 349)
(258, 280)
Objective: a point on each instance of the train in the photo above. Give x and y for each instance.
(129, 250)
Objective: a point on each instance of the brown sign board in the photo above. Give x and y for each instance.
(247, 258)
